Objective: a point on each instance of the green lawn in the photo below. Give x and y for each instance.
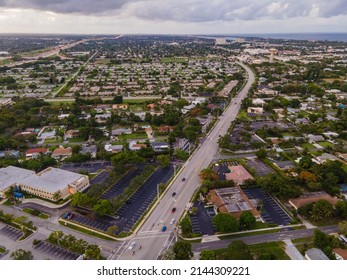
(275, 248)
(76, 140)
(2, 250)
(133, 136)
(173, 59)
(307, 146)
(232, 236)
(136, 108)
(34, 213)
(243, 115)
(303, 244)
(326, 144)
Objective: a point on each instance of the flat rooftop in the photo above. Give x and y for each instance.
(50, 179)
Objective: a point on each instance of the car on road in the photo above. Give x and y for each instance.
(173, 210)
(163, 228)
(173, 194)
(172, 221)
(183, 179)
(132, 245)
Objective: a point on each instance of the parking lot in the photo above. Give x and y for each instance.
(223, 168)
(260, 168)
(202, 220)
(11, 232)
(99, 178)
(91, 166)
(272, 212)
(138, 203)
(118, 187)
(55, 252)
(92, 222)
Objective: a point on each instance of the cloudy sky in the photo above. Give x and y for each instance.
(172, 16)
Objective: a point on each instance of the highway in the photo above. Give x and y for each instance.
(150, 237)
(262, 238)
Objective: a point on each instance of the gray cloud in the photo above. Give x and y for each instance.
(189, 10)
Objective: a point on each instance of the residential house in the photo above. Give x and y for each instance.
(121, 131)
(164, 129)
(120, 106)
(60, 153)
(325, 157)
(10, 153)
(258, 111)
(92, 150)
(316, 254)
(34, 153)
(314, 138)
(134, 146)
(160, 146)
(69, 134)
(113, 148)
(258, 102)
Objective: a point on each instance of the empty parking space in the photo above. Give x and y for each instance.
(272, 212)
(118, 187)
(202, 220)
(139, 202)
(260, 168)
(100, 177)
(55, 252)
(95, 223)
(91, 167)
(11, 232)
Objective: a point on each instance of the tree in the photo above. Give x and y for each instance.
(81, 199)
(124, 158)
(164, 160)
(93, 252)
(226, 223)
(118, 99)
(112, 229)
(305, 162)
(322, 209)
(181, 155)
(307, 177)
(238, 250)
(183, 250)
(169, 255)
(21, 254)
(103, 207)
(207, 255)
(247, 220)
(261, 153)
(324, 242)
(341, 209)
(343, 227)
(186, 226)
(208, 174)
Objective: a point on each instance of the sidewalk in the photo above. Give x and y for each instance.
(45, 203)
(292, 251)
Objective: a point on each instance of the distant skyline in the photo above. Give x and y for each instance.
(172, 16)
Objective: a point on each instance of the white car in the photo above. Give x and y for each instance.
(132, 245)
(172, 221)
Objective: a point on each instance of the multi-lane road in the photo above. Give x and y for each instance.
(150, 240)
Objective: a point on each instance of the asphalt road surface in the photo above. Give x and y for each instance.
(262, 238)
(150, 237)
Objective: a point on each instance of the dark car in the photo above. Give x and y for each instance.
(183, 179)
(173, 194)
(173, 210)
(163, 228)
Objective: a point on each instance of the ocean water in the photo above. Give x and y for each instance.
(341, 37)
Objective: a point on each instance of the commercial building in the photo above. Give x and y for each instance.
(51, 183)
(232, 201)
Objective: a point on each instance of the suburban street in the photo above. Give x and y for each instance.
(262, 238)
(150, 237)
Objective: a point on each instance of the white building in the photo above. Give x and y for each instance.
(51, 183)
